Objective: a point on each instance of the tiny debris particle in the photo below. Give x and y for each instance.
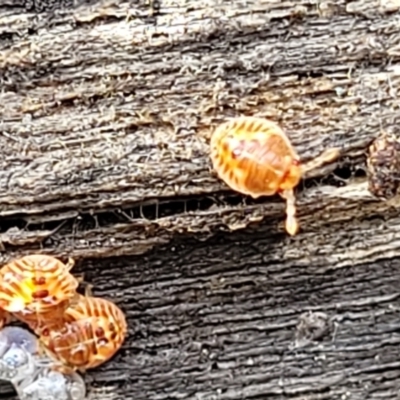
(389, 5)
(383, 164)
(312, 326)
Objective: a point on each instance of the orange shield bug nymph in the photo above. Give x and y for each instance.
(254, 156)
(94, 331)
(37, 288)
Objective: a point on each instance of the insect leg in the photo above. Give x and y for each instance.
(89, 290)
(291, 223)
(70, 264)
(80, 277)
(5, 318)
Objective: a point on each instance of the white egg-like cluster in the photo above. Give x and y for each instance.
(30, 373)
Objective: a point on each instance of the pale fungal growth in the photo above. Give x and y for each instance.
(31, 374)
(17, 350)
(52, 385)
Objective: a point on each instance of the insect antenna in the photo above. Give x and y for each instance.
(327, 156)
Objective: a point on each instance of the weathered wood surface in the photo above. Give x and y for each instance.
(106, 110)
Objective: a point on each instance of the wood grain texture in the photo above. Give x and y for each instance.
(106, 110)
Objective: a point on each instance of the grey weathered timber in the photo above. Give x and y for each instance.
(106, 110)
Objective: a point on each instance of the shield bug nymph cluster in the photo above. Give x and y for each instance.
(72, 332)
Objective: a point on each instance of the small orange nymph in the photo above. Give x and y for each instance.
(93, 332)
(37, 288)
(254, 156)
